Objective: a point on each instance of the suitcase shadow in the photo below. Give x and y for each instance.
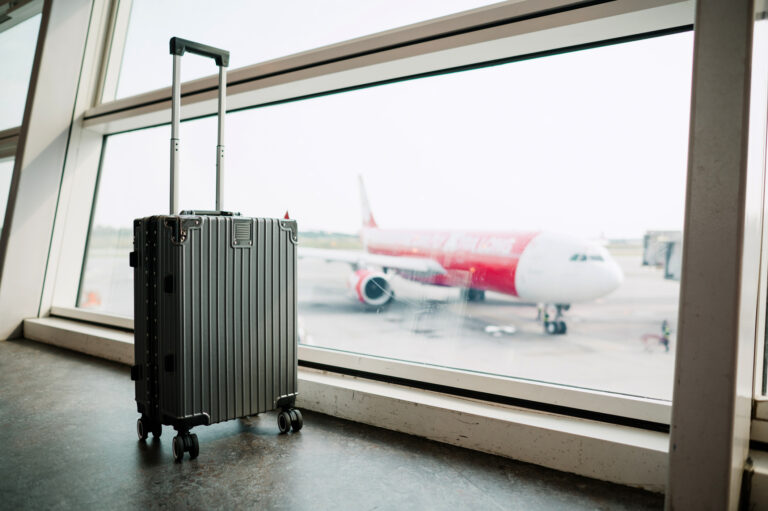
(150, 452)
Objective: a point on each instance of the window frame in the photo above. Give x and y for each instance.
(9, 139)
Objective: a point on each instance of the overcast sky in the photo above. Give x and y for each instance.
(592, 143)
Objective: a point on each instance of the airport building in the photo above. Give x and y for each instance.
(510, 254)
(664, 249)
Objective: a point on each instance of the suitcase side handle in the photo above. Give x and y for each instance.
(178, 47)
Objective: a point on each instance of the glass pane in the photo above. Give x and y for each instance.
(126, 191)
(17, 53)
(134, 183)
(553, 181)
(256, 31)
(6, 171)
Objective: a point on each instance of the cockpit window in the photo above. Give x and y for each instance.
(584, 257)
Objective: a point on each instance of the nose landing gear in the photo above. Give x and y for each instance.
(557, 325)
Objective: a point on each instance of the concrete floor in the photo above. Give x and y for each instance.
(67, 425)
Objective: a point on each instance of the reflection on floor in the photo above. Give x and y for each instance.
(69, 441)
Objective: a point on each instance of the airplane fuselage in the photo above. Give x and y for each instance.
(478, 260)
(534, 266)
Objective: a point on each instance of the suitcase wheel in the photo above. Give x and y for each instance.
(184, 442)
(141, 428)
(289, 419)
(178, 448)
(144, 426)
(297, 421)
(284, 422)
(194, 447)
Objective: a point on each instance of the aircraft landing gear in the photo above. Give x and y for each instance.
(472, 295)
(557, 325)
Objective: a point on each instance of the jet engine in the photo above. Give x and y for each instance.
(372, 288)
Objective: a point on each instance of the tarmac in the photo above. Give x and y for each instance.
(607, 346)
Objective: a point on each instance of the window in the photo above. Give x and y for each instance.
(260, 31)
(481, 165)
(17, 52)
(584, 257)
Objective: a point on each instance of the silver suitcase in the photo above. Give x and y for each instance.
(214, 306)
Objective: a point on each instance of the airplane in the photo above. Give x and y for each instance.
(549, 269)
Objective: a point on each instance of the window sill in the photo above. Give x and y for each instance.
(608, 452)
(99, 341)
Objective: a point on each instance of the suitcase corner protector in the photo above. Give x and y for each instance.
(292, 227)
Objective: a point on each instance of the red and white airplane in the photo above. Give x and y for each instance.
(552, 270)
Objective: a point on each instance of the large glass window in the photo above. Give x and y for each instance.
(17, 53)
(257, 31)
(477, 190)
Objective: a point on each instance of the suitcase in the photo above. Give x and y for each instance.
(214, 306)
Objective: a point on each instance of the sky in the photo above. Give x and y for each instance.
(591, 143)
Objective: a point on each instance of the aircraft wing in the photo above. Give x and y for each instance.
(419, 265)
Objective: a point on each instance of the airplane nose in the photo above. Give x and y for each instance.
(613, 276)
(605, 278)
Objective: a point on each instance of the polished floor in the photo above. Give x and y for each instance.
(67, 425)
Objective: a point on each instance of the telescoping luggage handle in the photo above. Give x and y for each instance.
(178, 48)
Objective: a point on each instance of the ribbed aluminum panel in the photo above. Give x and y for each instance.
(224, 301)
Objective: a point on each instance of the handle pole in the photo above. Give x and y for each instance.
(220, 143)
(175, 102)
(178, 47)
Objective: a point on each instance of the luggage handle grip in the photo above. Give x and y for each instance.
(179, 46)
(204, 212)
